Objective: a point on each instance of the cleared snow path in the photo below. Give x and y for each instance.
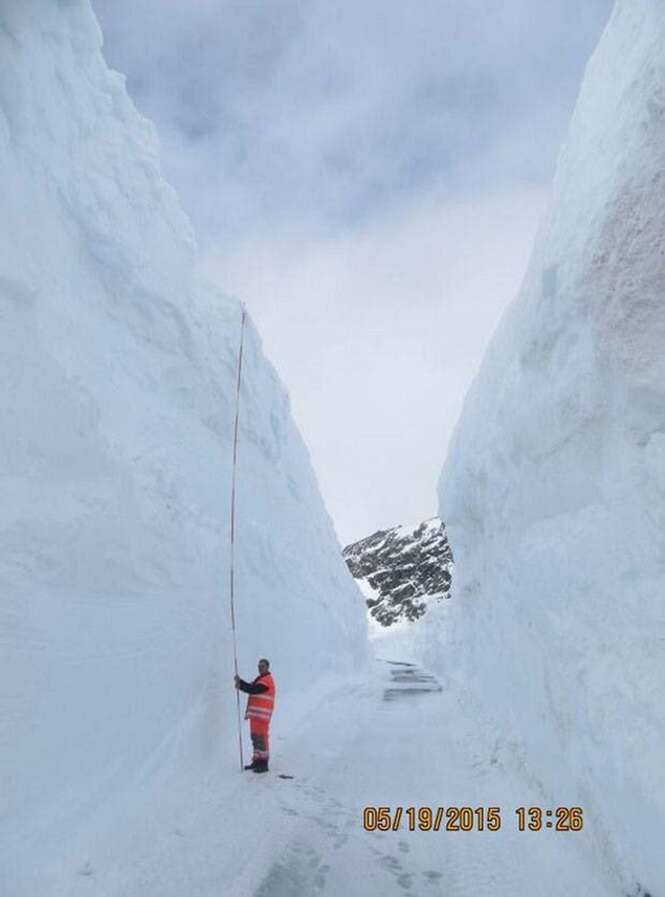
(398, 737)
(404, 741)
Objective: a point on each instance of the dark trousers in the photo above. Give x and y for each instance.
(258, 731)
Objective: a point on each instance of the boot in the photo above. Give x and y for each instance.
(260, 766)
(251, 765)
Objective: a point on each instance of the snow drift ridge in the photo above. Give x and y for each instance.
(554, 489)
(116, 411)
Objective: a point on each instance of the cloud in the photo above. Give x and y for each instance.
(327, 113)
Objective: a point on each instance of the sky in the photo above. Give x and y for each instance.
(368, 178)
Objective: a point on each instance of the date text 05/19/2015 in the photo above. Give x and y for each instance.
(467, 819)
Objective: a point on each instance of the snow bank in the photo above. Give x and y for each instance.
(116, 412)
(554, 489)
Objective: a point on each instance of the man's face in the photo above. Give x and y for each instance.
(263, 668)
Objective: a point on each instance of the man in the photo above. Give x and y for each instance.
(260, 705)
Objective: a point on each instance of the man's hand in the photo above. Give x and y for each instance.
(236, 680)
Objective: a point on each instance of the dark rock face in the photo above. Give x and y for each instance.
(404, 569)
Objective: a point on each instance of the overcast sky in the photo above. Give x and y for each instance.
(367, 175)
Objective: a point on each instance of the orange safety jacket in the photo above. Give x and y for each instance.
(260, 707)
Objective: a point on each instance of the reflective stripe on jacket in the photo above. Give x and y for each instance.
(261, 706)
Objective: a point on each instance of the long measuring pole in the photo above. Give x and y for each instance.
(233, 529)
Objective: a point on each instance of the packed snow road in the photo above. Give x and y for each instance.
(403, 741)
(397, 738)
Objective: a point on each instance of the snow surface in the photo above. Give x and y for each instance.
(116, 410)
(554, 488)
(404, 742)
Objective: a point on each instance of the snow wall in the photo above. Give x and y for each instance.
(117, 400)
(554, 488)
